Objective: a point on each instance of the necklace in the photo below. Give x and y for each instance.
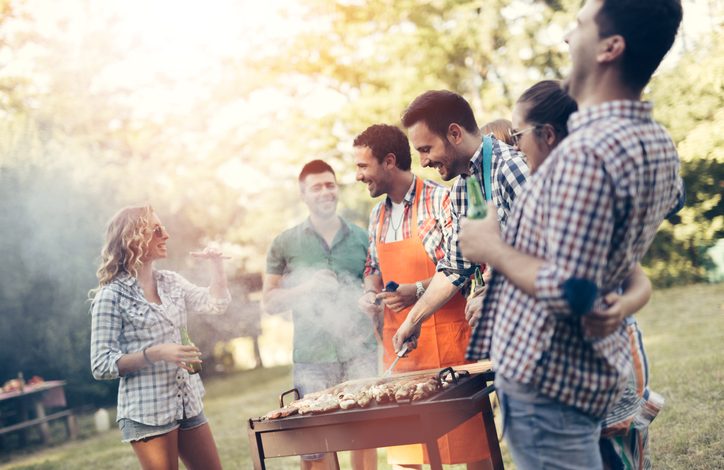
(399, 223)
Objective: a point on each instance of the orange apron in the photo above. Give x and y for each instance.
(443, 340)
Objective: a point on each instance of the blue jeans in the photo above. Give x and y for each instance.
(542, 433)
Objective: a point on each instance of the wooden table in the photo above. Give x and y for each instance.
(33, 404)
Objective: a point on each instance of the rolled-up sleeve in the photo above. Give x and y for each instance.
(199, 299)
(275, 259)
(106, 324)
(372, 263)
(578, 234)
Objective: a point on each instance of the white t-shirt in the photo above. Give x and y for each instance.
(394, 228)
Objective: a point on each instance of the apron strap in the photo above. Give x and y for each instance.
(415, 202)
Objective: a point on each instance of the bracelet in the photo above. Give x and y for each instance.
(145, 357)
(371, 290)
(419, 289)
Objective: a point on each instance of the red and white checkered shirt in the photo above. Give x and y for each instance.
(434, 222)
(590, 211)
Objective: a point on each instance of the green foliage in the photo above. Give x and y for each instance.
(689, 101)
(43, 296)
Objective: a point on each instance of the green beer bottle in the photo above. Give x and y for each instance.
(477, 209)
(186, 341)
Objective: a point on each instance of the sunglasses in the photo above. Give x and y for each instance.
(159, 231)
(515, 134)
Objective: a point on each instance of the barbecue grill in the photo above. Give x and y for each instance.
(385, 425)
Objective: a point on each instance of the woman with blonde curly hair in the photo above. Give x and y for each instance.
(137, 317)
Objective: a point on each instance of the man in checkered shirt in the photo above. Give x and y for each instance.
(586, 217)
(442, 127)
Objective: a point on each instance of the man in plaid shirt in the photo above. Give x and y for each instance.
(442, 128)
(586, 217)
(408, 233)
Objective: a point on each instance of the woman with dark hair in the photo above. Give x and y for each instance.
(137, 333)
(540, 119)
(539, 125)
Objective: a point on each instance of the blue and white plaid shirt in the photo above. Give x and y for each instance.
(124, 322)
(590, 211)
(508, 174)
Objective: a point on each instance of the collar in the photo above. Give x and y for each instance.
(409, 196)
(622, 109)
(126, 279)
(309, 228)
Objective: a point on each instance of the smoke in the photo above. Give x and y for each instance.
(51, 231)
(335, 315)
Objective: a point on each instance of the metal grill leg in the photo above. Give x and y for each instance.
(257, 449)
(433, 453)
(492, 435)
(333, 461)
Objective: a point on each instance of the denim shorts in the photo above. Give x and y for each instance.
(134, 431)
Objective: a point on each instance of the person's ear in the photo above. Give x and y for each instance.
(454, 133)
(549, 136)
(611, 48)
(390, 161)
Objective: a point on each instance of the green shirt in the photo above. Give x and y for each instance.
(327, 328)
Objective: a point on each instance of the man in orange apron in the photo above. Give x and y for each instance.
(408, 233)
(442, 128)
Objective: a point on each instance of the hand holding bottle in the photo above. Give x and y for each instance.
(194, 367)
(184, 356)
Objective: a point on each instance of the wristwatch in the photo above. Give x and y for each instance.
(420, 289)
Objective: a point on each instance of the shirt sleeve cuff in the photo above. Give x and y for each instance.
(572, 296)
(371, 270)
(107, 367)
(549, 292)
(455, 277)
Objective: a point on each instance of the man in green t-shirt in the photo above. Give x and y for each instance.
(315, 270)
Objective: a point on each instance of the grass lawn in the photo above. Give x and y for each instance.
(684, 336)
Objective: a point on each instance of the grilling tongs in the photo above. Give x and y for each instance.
(400, 355)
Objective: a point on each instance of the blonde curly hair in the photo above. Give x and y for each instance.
(127, 237)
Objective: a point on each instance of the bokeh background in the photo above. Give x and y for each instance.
(207, 110)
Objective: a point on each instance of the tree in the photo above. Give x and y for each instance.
(690, 103)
